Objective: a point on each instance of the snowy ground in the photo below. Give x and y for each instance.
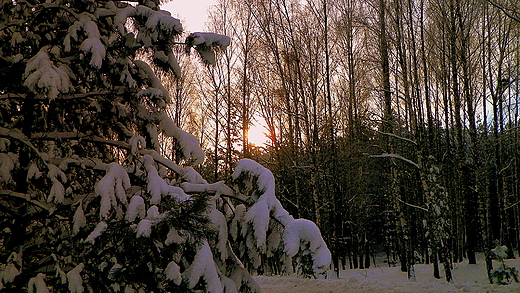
(466, 278)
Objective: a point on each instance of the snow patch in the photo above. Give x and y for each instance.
(79, 220)
(37, 284)
(136, 209)
(203, 266)
(100, 228)
(75, 280)
(173, 273)
(7, 164)
(112, 186)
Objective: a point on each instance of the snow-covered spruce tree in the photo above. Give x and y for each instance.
(87, 202)
(437, 223)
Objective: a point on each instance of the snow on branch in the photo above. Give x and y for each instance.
(188, 142)
(205, 43)
(92, 44)
(412, 205)
(219, 223)
(57, 193)
(79, 220)
(303, 232)
(155, 20)
(395, 156)
(18, 135)
(190, 175)
(43, 76)
(75, 280)
(37, 284)
(62, 96)
(167, 62)
(267, 203)
(100, 228)
(163, 161)
(136, 143)
(172, 272)
(398, 137)
(8, 161)
(299, 236)
(157, 187)
(240, 275)
(162, 20)
(112, 189)
(202, 268)
(218, 188)
(155, 88)
(79, 136)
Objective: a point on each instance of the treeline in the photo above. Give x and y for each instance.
(393, 124)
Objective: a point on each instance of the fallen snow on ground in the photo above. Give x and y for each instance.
(381, 278)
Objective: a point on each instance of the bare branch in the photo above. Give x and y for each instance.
(512, 206)
(412, 205)
(79, 136)
(506, 11)
(395, 156)
(7, 96)
(397, 136)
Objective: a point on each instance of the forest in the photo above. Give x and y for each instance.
(393, 124)
(126, 163)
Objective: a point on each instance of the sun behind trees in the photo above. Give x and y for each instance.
(88, 202)
(366, 102)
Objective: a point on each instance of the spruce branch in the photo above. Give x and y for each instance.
(8, 193)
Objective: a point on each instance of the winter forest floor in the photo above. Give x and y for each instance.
(381, 278)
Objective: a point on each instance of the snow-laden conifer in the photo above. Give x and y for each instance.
(80, 156)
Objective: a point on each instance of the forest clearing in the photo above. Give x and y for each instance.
(382, 278)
